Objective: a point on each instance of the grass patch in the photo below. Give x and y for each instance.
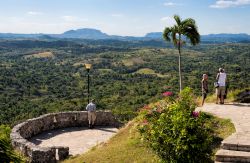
(145, 71)
(148, 71)
(133, 61)
(222, 127)
(40, 55)
(7, 153)
(127, 145)
(105, 70)
(79, 64)
(231, 96)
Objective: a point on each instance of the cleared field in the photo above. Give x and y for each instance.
(40, 55)
(79, 64)
(145, 71)
(105, 70)
(133, 61)
(149, 71)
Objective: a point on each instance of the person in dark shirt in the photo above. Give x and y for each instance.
(204, 85)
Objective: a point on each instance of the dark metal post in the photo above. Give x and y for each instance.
(88, 85)
(88, 66)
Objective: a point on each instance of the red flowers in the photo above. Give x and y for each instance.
(166, 94)
(145, 122)
(159, 110)
(195, 114)
(146, 107)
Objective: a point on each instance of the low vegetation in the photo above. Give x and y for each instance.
(40, 55)
(148, 71)
(176, 132)
(7, 154)
(232, 96)
(38, 85)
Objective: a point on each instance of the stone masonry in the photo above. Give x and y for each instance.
(23, 131)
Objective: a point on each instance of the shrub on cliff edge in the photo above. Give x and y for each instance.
(7, 154)
(175, 131)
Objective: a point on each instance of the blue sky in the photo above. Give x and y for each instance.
(122, 17)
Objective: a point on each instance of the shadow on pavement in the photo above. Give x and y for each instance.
(238, 104)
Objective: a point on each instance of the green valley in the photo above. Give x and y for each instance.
(31, 86)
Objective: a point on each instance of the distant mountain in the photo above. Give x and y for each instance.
(154, 35)
(15, 35)
(226, 37)
(211, 38)
(94, 34)
(86, 33)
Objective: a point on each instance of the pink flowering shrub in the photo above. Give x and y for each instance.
(195, 114)
(175, 131)
(167, 94)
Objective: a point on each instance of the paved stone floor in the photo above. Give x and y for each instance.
(238, 113)
(235, 148)
(78, 139)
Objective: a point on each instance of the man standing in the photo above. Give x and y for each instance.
(91, 108)
(220, 91)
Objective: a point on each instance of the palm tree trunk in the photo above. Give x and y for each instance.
(179, 49)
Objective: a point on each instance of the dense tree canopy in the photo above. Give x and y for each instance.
(123, 78)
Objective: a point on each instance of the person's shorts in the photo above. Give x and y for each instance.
(204, 95)
(220, 91)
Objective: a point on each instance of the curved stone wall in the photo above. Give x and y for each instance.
(23, 131)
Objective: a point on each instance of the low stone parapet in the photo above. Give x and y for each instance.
(23, 131)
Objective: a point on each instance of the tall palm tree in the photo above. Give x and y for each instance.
(183, 29)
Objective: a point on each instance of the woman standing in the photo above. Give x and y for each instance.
(204, 85)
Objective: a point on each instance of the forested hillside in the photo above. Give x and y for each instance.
(41, 76)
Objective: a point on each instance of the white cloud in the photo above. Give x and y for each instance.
(168, 21)
(34, 13)
(170, 4)
(230, 3)
(117, 15)
(69, 18)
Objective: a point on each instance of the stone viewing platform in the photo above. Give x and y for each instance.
(78, 139)
(55, 136)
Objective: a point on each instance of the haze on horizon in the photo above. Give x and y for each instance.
(122, 17)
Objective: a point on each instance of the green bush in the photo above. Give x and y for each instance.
(7, 153)
(175, 131)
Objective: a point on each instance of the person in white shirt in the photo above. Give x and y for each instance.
(91, 108)
(220, 91)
